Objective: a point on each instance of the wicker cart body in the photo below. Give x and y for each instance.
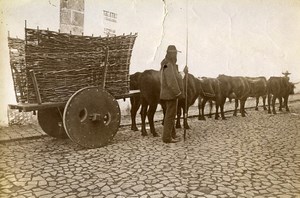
(73, 82)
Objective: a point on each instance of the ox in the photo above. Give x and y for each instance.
(239, 86)
(211, 89)
(279, 87)
(134, 100)
(258, 87)
(192, 95)
(149, 83)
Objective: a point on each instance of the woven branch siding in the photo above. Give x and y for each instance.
(65, 63)
(17, 62)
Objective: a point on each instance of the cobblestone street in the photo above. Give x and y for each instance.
(256, 156)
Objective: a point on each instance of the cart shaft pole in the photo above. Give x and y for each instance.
(36, 87)
(105, 69)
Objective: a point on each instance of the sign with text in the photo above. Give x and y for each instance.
(110, 21)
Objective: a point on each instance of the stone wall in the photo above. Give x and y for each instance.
(20, 118)
(72, 16)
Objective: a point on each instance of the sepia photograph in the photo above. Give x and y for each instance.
(150, 99)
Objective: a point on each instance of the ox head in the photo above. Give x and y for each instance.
(292, 86)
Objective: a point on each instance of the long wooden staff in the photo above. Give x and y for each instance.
(185, 115)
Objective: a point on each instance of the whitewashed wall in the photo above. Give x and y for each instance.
(235, 37)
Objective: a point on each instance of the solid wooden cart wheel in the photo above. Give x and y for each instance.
(50, 120)
(91, 117)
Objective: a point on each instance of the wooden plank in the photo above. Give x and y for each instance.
(128, 95)
(35, 106)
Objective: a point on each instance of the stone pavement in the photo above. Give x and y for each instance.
(256, 156)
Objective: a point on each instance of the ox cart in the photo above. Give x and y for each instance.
(72, 82)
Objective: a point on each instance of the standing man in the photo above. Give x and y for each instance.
(171, 90)
(286, 74)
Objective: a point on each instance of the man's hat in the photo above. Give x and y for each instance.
(286, 73)
(172, 48)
